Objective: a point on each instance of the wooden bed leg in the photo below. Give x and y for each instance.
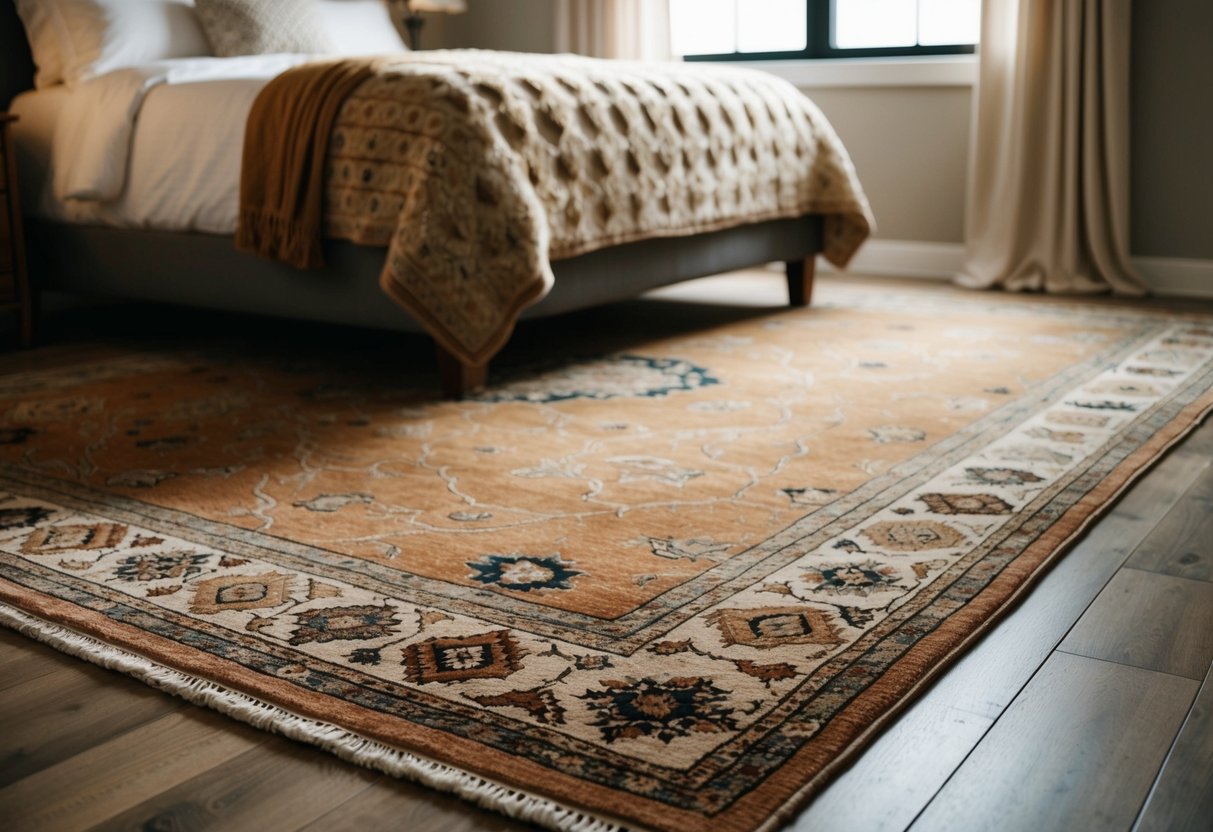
(459, 379)
(800, 280)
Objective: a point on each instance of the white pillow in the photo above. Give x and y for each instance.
(75, 40)
(360, 27)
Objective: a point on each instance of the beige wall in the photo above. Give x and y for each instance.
(510, 25)
(1172, 128)
(910, 147)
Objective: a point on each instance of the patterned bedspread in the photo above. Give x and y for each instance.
(477, 168)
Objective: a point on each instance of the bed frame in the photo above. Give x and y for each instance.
(205, 270)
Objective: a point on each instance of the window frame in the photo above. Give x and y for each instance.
(819, 20)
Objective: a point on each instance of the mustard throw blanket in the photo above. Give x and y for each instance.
(477, 168)
(282, 172)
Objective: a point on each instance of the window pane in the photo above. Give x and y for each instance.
(772, 25)
(948, 21)
(703, 27)
(866, 23)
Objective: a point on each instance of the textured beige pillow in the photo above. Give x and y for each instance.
(260, 27)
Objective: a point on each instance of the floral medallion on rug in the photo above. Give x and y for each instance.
(674, 587)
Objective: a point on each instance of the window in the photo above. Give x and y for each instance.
(759, 29)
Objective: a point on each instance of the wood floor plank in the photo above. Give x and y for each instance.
(960, 706)
(22, 659)
(58, 715)
(897, 775)
(1157, 622)
(1182, 545)
(278, 786)
(112, 777)
(1182, 798)
(392, 804)
(1077, 749)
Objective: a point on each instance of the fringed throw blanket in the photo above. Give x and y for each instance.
(477, 168)
(282, 179)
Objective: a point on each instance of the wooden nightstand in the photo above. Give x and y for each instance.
(15, 293)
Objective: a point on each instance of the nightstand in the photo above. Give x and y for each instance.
(15, 293)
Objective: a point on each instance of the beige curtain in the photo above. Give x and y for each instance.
(636, 30)
(1048, 197)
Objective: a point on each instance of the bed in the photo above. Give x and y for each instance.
(95, 249)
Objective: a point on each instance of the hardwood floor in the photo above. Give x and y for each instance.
(1089, 707)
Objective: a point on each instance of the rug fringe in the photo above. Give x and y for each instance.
(347, 745)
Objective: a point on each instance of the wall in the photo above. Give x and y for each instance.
(513, 26)
(910, 146)
(1172, 128)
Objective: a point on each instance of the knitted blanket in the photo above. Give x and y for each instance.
(477, 168)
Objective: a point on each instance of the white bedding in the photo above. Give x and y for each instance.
(156, 146)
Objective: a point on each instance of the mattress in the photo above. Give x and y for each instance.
(173, 165)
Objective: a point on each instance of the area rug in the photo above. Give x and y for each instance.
(672, 587)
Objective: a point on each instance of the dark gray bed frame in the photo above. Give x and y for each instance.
(205, 270)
